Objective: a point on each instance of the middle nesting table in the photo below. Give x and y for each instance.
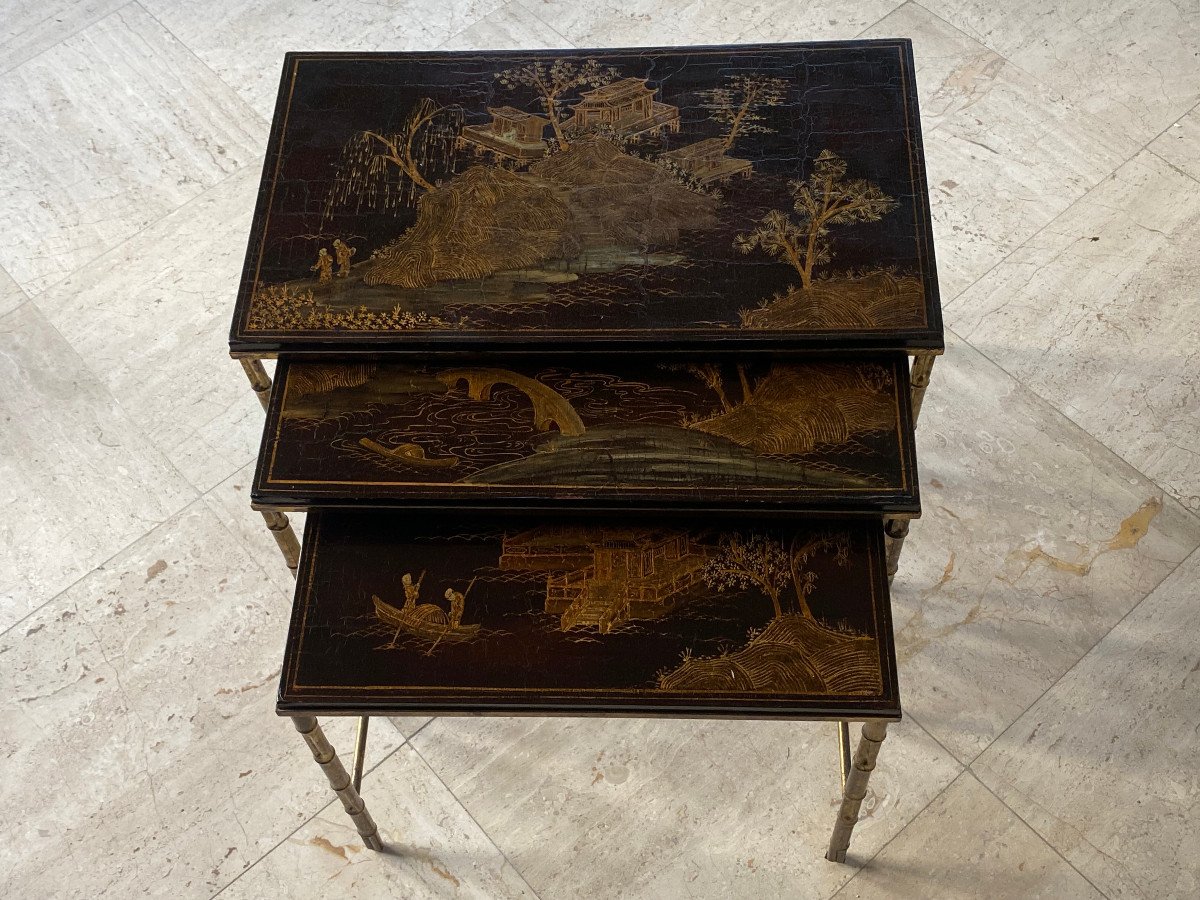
(826, 436)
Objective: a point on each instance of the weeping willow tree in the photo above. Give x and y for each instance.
(383, 171)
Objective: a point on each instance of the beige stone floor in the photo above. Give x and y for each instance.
(1050, 658)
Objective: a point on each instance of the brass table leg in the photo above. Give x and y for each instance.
(259, 380)
(922, 367)
(895, 531)
(360, 750)
(285, 537)
(855, 789)
(843, 728)
(328, 760)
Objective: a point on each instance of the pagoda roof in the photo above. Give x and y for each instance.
(618, 92)
(514, 114)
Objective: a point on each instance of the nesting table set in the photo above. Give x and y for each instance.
(597, 378)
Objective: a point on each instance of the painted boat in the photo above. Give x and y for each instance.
(426, 620)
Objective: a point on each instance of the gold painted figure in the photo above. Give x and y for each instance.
(457, 600)
(323, 267)
(343, 251)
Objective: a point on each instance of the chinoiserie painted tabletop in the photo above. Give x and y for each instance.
(623, 431)
(397, 612)
(743, 198)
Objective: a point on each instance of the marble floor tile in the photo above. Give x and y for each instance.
(810, 20)
(967, 844)
(433, 847)
(230, 503)
(1004, 153)
(673, 808)
(512, 27)
(138, 707)
(1180, 144)
(1103, 765)
(93, 153)
(80, 481)
(150, 318)
(1034, 541)
(30, 28)
(1098, 315)
(11, 295)
(244, 41)
(645, 23)
(1132, 63)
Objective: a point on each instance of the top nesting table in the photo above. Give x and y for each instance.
(751, 198)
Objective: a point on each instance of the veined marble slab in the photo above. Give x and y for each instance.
(138, 709)
(1133, 63)
(151, 320)
(230, 503)
(1098, 314)
(11, 295)
(1180, 144)
(1103, 765)
(1034, 541)
(244, 41)
(1004, 153)
(103, 134)
(674, 808)
(432, 847)
(30, 28)
(645, 23)
(967, 844)
(811, 20)
(80, 481)
(511, 27)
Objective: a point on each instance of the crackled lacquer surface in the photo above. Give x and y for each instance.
(405, 612)
(813, 435)
(1045, 648)
(755, 193)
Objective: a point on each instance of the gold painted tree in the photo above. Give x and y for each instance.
(757, 561)
(382, 171)
(553, 81)
(825, 199)
(738, 106)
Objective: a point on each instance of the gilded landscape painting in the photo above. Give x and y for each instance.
(735, 192)
(820, 433)
(625, 613)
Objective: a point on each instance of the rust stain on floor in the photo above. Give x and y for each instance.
(328, 846)
(1130, 533)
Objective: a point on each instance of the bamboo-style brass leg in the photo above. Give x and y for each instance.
(360, 750)
(922, 368)
(339, 780)
(855, 789)
(843, 728)
(895, 531)
(285, 537)
(259, 380)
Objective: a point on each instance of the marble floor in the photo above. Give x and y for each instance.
(1048, 603)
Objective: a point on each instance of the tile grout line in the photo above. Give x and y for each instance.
(66, 37)
(471, 816)
(203, 64)
(962, 769)
(1040, 836)
(283, 840)
(1092, 649)
(67, 275)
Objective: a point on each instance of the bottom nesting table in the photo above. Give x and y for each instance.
(399, 612)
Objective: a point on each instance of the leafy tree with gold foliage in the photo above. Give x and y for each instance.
(824, 199)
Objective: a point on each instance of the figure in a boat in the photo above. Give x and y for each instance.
(426, 620)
